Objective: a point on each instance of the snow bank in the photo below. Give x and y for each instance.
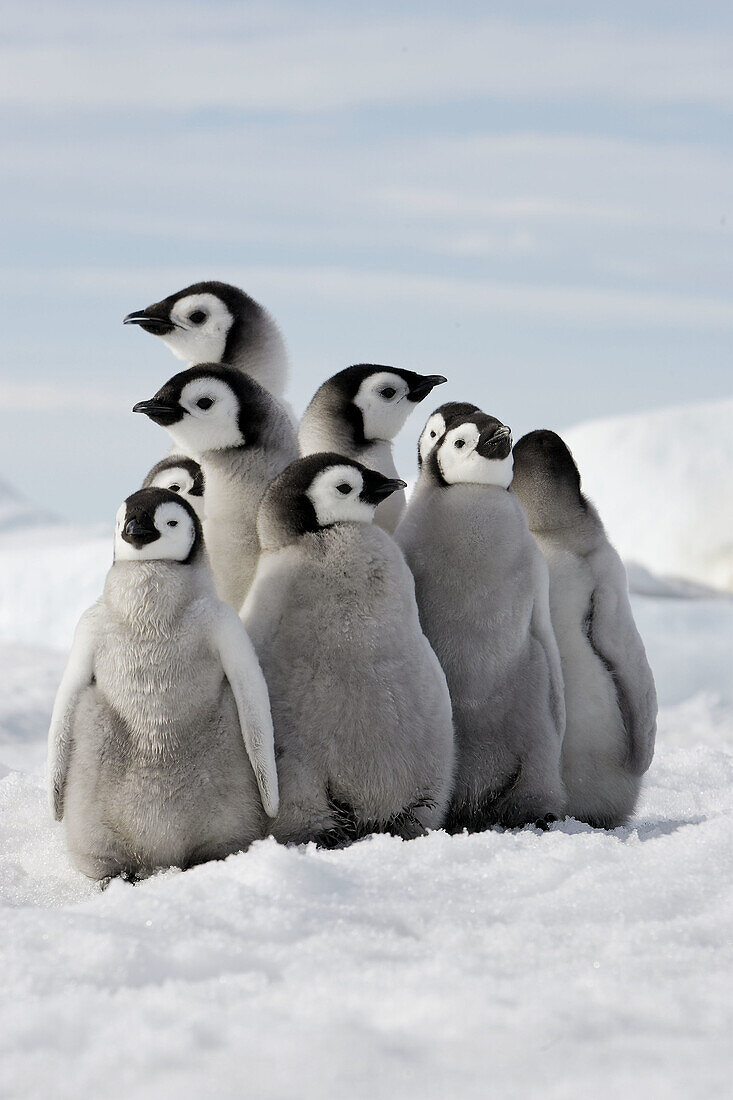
(663, 483)
(689, 644)
(49, 575)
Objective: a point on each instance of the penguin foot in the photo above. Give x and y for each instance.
(407, 824)
(333, 839)
(544, 823)
(127, 875)
(132, 877)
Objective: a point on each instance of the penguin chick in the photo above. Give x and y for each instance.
(482, 591)
(610, 695)
(180, 475)
(437, 425)
(242, 438)
(360, 704)
(213, 322)
(357, 413)
(161, 747)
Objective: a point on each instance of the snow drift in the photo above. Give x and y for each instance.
(663, 484)
(49, 575)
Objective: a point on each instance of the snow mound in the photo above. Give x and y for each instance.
(49, 575)
(689, 643)
(663, 484)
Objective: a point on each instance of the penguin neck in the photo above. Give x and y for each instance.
(377, 455)
(573, 523)
(274, 450)
(324, 427)
(229, 476)
(149, 596)
(261, 354)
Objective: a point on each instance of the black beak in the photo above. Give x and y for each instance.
(159, 326)
(159, 412)
(139, 531)
(378, 488)
(422, 388)
(495, 444)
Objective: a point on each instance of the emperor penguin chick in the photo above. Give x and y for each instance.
(213, 322)
(180, 475)
(161, 747)
(242, 438)
(482, 591)
(360, 704)
(610, 696)
(358, 413)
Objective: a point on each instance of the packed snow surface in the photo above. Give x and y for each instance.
(663, 483)
(574, 963)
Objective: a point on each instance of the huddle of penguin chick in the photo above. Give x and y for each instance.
(284, 647)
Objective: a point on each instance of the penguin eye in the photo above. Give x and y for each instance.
(197, 317)
(460, 443)
(175, 488)
(344, 488)
(205, 402)
(433, 435)
(172, 522)
(388, 392)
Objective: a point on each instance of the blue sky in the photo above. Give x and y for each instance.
(535, 200)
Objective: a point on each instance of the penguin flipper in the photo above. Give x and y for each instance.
(78, 674)
(541, 628)
(614, 636)
(242, 670)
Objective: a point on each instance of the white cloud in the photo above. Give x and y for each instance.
(575, 305)
(57, 397)
(150, 56)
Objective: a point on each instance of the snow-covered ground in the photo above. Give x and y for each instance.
(570, 964)
(575, 963)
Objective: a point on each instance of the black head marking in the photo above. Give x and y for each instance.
(138, 526)
(179, 462)
(454, 410)
(254, 402)
(288, 509)
(450, 411)
(345, 384)
(544, 455)
(247, 315)
(495, 440)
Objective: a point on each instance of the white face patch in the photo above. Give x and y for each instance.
(431, 433)
(203, 325)
(382, 398)
(175, 478)
(459, 461)
(334, 493)
(178, 480)
(211, 423)
(177, 534)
